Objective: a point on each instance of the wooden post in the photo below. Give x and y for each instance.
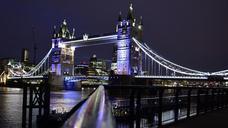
(176, 106)
(24, 113)
(39, 97)
(30, 105)
(226, 99)
(218, 98)
(46, 94)
(198, 102)
(138, 108)
(40, 101)
(206, 101)
(222, 99)
(212, 99)
(189, 103)
(132, 107)
(160, 106)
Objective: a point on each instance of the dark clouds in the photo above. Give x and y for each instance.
(193, 33)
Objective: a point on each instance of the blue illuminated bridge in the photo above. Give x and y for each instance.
(130, 105)
(134, 57)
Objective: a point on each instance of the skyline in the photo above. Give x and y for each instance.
(177, 39)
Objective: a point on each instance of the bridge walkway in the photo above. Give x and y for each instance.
(215, 119)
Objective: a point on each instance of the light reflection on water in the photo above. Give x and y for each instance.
(64, 101)
(11, 104)
(10, 107)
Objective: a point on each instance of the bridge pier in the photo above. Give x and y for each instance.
(56, 82)
(62, 63)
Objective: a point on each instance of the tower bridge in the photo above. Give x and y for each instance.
(134, 57)
(132, 105)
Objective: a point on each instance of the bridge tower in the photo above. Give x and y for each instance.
(129, 56)
(62, 62)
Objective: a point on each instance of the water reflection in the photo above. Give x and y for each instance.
(11, 104)
(10, 107)
(64, 101)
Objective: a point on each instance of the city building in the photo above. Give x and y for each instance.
(81, 69)
(97, 66)
(4, 63)
(25, 56)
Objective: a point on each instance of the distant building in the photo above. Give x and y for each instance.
(81, 69)
(4, 63)
(97, 63)
(25, 56)
(97, 66)
(114, 67)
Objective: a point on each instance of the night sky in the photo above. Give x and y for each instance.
(192, 33)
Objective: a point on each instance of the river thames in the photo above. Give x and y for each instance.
(11, 104)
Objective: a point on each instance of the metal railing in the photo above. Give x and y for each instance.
(148, 106)
(94, 113)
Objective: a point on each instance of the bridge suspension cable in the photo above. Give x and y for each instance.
(221, 73)
(166, 64)
(44, 64)
(41, 68)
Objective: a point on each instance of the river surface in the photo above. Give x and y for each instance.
(11, 104)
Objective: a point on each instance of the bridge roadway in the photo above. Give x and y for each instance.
(215, 119)
(174, 77)
(138, 76)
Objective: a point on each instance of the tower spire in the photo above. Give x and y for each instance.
(73, 33)
(130, 13)
(141, 20)
(64, 31)
(131, 7)
(120, 16)
(54, 32)
(64, 22)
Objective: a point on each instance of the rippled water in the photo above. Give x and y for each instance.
(10, 107)
(11, 104)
